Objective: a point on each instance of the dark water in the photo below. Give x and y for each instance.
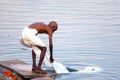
(88, 35)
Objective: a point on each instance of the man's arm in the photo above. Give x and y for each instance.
(51, 48)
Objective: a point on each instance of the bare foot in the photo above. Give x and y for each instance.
(33, 69)
(40, 71)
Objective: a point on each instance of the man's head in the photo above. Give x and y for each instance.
(53, 25)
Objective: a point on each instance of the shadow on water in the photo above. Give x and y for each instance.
(71, 69)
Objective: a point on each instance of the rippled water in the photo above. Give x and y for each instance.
(88, 35)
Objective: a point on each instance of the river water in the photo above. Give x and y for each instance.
(88, 34)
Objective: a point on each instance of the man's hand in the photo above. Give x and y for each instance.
(51, 60)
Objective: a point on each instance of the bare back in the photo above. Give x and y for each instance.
(42, 28)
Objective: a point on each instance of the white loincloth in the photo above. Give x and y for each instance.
(28, 38)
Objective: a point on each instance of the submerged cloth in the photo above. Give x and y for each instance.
(28, 38)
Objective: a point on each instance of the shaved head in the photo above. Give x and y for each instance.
(53, 25)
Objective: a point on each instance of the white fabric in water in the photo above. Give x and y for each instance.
(59, 68)
(90, 69)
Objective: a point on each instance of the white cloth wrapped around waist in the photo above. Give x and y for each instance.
(29, 38)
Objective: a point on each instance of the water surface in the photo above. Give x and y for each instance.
(88, 33)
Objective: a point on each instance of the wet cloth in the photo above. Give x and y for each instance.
(29, 38)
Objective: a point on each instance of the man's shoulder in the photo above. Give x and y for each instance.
(39, 23)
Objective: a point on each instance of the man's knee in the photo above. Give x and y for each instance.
(42, 48)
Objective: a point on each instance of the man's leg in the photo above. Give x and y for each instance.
(34, 60)
(43, 51)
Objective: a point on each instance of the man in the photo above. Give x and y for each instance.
(29, 38)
